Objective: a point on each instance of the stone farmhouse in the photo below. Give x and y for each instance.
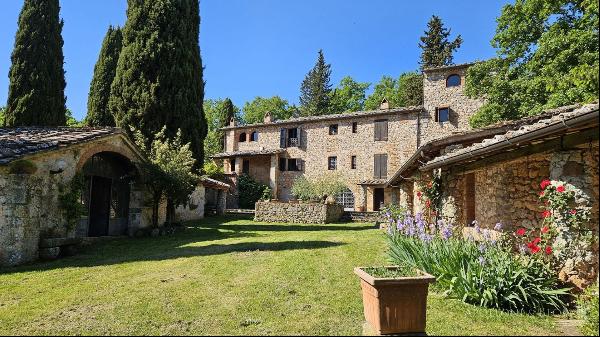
(37, 166)
(365, 148)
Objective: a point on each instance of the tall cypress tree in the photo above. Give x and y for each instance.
(437, 49)
(315, 89)
(36, 93)
(228, 113)
(158, 81)
(104, 74)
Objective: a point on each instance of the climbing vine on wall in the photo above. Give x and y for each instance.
(70, 200)
(430, 194)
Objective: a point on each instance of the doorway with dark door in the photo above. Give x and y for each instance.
(99, 212)
(378, 198)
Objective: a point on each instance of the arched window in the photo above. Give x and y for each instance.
(346, 199)
(254, 137)
(242, 137)
(453, 80)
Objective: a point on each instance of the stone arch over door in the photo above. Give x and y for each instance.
(108, 184)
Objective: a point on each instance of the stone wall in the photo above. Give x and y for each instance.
(437, 95)
(194, 208)
(29, 197)
(303, 213)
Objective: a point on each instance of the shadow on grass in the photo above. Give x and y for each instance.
(167, 248)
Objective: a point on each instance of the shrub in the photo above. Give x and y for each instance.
(250, 191)
(319, 188)
(484, 273)
(587, 306)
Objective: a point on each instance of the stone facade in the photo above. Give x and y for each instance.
(406, 129)
(194, 208)
(29, 196)
(303, 213)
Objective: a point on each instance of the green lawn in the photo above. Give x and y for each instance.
(223, 276)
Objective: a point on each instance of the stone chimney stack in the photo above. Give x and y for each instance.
(268, 118)
(385, 105)
(232, 122)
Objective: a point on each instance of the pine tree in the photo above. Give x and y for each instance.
(36, 93)
(158, 81)
(437, 49)
(104, 74)
(315, 89)
(229, 113)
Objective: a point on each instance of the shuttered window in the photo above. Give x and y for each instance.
(381, 130)
(380, 166)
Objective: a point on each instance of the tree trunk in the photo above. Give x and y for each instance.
(170, 211)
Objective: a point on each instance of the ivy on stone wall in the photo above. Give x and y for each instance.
(70, 200)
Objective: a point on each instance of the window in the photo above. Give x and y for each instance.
(232, 165)
(246, 167)
(282, 164)
(333, 129)
(353, 162)
(293, 164)
(346, 199)
(254, 137)
(354, 127)
(290, 137)
(380, 166)
(332, 163)
(453, 80)
(442, 115)
(381, 130)
(242, 137)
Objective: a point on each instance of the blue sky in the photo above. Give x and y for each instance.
(265, 47)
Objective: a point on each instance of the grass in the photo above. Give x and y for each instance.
(224, 276)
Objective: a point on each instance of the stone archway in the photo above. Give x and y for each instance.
(108, 177)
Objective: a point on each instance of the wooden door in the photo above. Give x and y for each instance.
(378, 198)
(99, 214)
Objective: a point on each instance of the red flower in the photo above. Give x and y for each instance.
(546, 214)
(536, 241)
(541, 193)
(533, 248)
(545, 229)
(573, 211)
(419, 194)
(560, 188)
(429, 185)
(545, 184)
(548, 250)
(520, 231)
(428, 203)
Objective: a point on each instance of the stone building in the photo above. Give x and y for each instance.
(37, 169)
(364, 148)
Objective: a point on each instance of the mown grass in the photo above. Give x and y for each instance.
(224, 276)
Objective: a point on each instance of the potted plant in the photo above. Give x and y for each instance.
(394, 298)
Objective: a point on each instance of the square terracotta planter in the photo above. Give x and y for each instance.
(395, 305)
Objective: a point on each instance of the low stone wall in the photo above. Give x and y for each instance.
(309, 213)
(374, 217)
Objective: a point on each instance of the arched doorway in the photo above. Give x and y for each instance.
(108, 177)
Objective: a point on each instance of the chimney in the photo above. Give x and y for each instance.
(385, 105)
(267, 118)
(232, 122)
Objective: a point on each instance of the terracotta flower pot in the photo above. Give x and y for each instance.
(395, 305)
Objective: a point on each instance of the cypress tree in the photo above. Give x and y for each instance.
(316, 88)
(36, 93)
(228, 112)
(437, 49)
(104, 74)
(158, 81)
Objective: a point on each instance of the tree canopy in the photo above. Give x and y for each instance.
(437, 49)
(104, 73)
(218, 112)
(158, 80)
(349, 95)
(255, 110)
(36, 92)
(315, 89)
(407, 90)
(547, 56)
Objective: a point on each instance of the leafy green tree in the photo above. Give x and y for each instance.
(36, 93)
(71, 121)
(218, 113)
(104, 74)
(168, 173)
(547, 56)
(407, 90)
(255, 110)
(158, 80)
(437, 49)
(410, 89)
(349, 95)
(2, 110)
(316, 88)
(387, 88)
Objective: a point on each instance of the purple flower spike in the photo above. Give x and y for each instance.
(498, 226)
